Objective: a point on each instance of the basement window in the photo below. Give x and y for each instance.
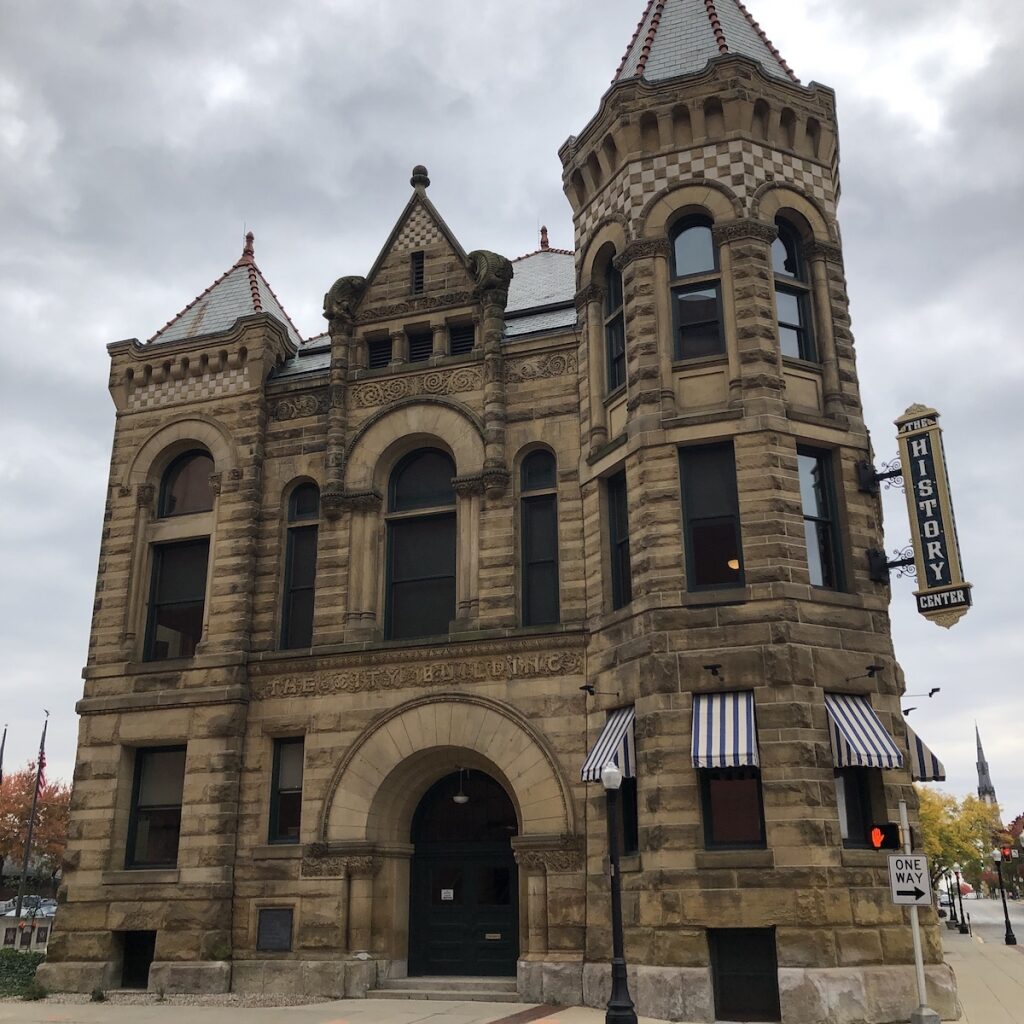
(274, 930)
(744, 973)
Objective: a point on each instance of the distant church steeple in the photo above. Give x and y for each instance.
(986, 791)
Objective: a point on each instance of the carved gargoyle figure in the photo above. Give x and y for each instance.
(490, 270)
(341, 301)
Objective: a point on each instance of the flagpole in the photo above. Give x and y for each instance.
(31, 821)
(3, 743)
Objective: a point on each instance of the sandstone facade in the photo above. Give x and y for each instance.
(382, 719)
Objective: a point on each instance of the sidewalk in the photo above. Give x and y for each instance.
(345, 1011)
(989, 977)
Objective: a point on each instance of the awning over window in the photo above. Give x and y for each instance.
(924, 765)
(724, 730)
(616, 744)
(858, 737)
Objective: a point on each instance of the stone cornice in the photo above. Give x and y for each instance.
(823, 250)
(642, 249)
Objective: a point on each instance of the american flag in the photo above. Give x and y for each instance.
(41, 777)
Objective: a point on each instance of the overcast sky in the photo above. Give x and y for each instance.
(139, 140)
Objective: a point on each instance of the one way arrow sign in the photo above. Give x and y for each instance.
(909, 881)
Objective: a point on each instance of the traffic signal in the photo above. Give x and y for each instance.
(1007, 852)
(885, 836)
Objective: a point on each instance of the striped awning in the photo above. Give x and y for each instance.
(724, 730)
(924, 765)
(616, 743)
(858, 737)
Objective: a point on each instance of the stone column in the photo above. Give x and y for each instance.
(361, 872)
(468, 490)
(340, 312)
(440, 341)
(145, 497)
(818, 255)
(745, 260)
(361, 615)
(590, 307)
(399, 348)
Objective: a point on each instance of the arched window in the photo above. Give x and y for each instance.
(300, 567)
(614, 328)
(177, 591)
(421, 546)
(539, 529)
(696, 290)
(185, 487)
(792, 294)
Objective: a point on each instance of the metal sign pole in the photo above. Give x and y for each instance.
(923, 1014)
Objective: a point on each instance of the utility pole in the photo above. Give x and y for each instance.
(40, 763)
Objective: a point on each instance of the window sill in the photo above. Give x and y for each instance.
(696, 362)
(799, 363)
(759, 859)
(141, 876)
(723, 595)
(862, 858)
(613, 396)
(277, 851)
(629, 864)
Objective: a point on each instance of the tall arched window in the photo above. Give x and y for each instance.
(792, 294)
(696, 290)
(539, 529)
(177, 592)
(300, 567)
(421, 546)
(614, 328)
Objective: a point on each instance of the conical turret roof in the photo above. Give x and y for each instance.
(240, 291)
(679, 37)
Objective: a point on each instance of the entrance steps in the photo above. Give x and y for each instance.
(477, 990)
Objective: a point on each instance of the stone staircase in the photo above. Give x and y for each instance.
(479, 990)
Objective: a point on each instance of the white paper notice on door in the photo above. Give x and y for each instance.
(447, 894)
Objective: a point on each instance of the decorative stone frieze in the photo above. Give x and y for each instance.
(436, 382)
(414, 305)
(825, 250)
(466, 485)
(296, 407)
(563, 856)
(551, 364)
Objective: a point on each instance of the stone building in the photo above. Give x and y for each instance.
(366, 602)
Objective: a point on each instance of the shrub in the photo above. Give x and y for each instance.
(17, 971)
(97, 995)
(33, 991)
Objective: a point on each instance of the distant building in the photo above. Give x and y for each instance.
(986, 791)
(374, 608)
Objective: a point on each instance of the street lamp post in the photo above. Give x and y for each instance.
(953, 922)
(960, 897)
(620, 1006)
(1010, 939)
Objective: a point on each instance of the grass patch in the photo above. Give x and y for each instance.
(18, 971)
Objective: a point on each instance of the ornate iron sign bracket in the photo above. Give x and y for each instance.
(879, 565)
(868, 477)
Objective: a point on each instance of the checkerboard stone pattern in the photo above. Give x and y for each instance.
(189, 389)
(420, 231)
(739, 164)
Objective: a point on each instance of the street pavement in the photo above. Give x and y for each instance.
(989, 974)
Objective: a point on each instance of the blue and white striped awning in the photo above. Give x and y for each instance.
(858, 737)
(616, 743)
(924, 765)
(724, 730)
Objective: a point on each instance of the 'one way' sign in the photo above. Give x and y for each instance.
(909, 881)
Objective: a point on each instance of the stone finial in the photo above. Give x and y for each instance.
(544, 244)
(248, 250)
(419, 178)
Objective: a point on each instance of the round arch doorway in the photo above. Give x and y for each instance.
(463, 893)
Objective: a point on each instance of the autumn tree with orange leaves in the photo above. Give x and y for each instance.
(50, 835)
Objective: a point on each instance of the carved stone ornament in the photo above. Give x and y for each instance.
(362, 501)
(554, 364)
(566, 856)
(341, 301)
(592, 293)
(296, 407)
(215, 483)
(327, 865)
(490, 271)
(642, 249)
(332, 499)
(437, 382)
(822, 250)
(496, 480)
(364, 866)
(735, 230)
(144, 495)
(415, 304)
(470, 484)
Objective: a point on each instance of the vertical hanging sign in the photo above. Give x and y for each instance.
(944, 596)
